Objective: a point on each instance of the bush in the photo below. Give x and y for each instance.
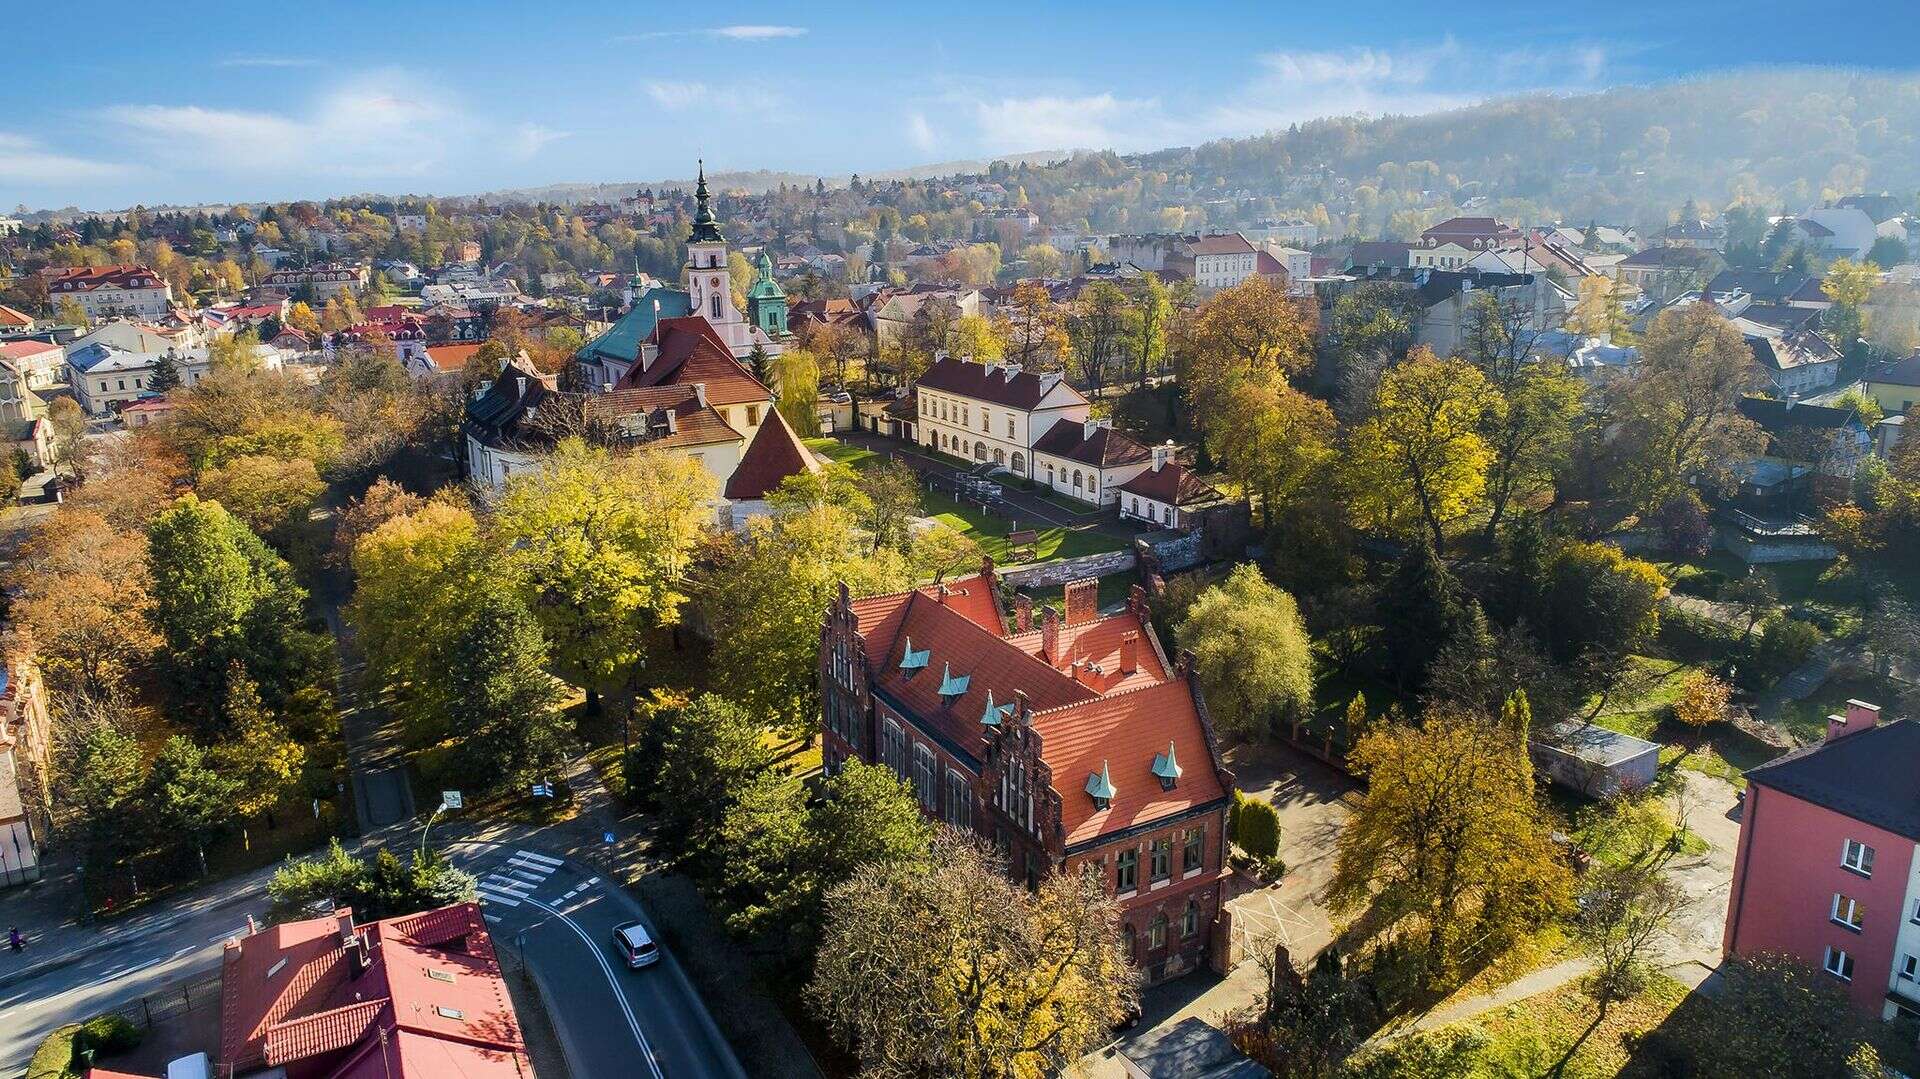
(1705, 583)
(1783, 644)
(1259, 830)
(109, 1035)
(54, 1058)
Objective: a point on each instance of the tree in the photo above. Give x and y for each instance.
(952, 969)
(1253, 329)
(1257, 829)
(380, 503)
(501, 695)
(1677, 416)
(221, 598)
(414, 576)
(601, 544)
(301, 317)
(1150, 346)
(1255, 660)
(376, 888)
(1529, 424)
(1702, 701)
(1624, 909)
(273, 496)
(69, 425)
(260, 757)
(72, 314)
(710, 751)
(1036, 328)
(1273, 439)
(1772, 1015)
(1097, 327)
(100, 774)
(188, 802)
(1601, 607)
(1448, 845)
(1849, 284)
(1601, 311)
(764, 594)
(1372, 328)
(796, 377)
(1419, 612)
(1420, 459)
(80, 589)
(166, 373)
(977, 339)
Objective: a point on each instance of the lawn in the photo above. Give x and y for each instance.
(1112, 592)
(1527, 1037)
(845, 453)
(1642, 714)
(1723, 750)
(991, 534)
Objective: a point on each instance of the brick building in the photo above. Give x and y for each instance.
(1826, 869)
(1071, 742)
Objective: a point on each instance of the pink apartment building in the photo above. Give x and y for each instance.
(1826, 870)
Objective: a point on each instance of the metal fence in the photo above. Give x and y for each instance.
(172, 1002)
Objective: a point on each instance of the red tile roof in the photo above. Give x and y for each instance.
(1085, 708)
(12, 317)
(452, 357)
(291, 993)
(87, 278)
(692, 351)
(774, 454)
(20, 350)
(994, 383)
(1172, 484)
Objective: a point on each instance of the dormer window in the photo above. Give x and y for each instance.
(994, 712)
(1167, 768)
(952, 686)
(912, 660)
(1100, 787)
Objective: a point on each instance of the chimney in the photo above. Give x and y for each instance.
(1023, 613)
(606, 387)
(1082, 601)
(1792, 399)
(1088, 427)
(1022, 711)
(1860, 716)
(1050, 635)
(1161, 454)
(1129, 652)
(700, 393)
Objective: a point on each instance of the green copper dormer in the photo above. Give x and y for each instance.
(767, 301)
(1167, 768)
(1100, 787)
(706, 230)
(994, 713)
(912, 660)
(952, 685)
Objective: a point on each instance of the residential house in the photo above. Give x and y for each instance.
(1668, 271)
(114, 364)
(1446, 298)
(12, 319)
(1837, 230)
(1826, 868)
(1005, 222)
(40, 363)
(1446, 256)
(108, 291)
(327, 280)
(993, 412)
(435, 360)
(1895, 386)
(1471, 233)
(1222, 261)
(26, 746)
(1791, 288)
(890, 311)
(1797, 362)
(1290, 232)
(23, 416)
(1696, 233)
(1386, 254)
(1166, 492)
(415, 997)
(1811, 456)
(1088, 461)
(1071, 742)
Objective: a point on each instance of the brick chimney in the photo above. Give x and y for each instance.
(1129, 652)
(1860, 716)
(1050, 635)
(1022, 613)
(1082, 600)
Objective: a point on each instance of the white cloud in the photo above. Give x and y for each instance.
(759, 33)
(530, 139)
(371, 126)
(269, 61)
(25, 161)
(1064, 123)
(920, 133)
(701, 97)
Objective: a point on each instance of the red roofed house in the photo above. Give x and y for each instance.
(1222, 261)
(26, 745)
(1074, 744)
(105, 291)
(405, 998)
(14, 319)
(41, 363)
(1166, 493)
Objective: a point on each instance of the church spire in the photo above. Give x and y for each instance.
(705, 228)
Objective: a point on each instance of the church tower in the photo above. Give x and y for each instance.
(709, 284)
(767, 301)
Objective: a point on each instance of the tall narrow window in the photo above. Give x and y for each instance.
(1162, 859)
(1839, 964)
(1195, 855)
(1126, 876)
(1847, 911)
(1190, 921)
(1857, 857)
(1157, 932)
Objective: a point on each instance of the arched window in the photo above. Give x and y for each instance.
(714, 303)
(1190, 921)
(979, 451)
(1130, 941)
(1076, 479)
(1157, 932)
(1019, 463)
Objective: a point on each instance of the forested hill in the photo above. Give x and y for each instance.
(1782, 136)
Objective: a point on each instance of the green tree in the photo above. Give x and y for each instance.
(1150, 343)
(1274, 440)
(1421, 458)
(188, 801)
(261, 757)
(414, 575)
(1255, 660)
(1849, 284)
(1449, 844)
(1257, 830)
(796, 377)
(1772, 1015)
(376, 888)
(601, 544)
(1419, 612)
(501, 695)
(166, 374)
(710, 751)
(953, 969)
(102, 775)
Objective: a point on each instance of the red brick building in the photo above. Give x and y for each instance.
(1071, 741)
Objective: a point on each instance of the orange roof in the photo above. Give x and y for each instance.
(11, 317)
(1124, 732)
(452, 357)
(774, 454)
(691, 351)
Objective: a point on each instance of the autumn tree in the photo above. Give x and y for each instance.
(1702, 701)
(1255, 660)
(413, 576)
(978, 339)
(1528, 425)
(1448, 847)
(1150, 325)
(951, 968)
(1036, 329)
(1677, 416)
(378, 504)
(796, 378)
(260, 755)
(1252, 330)
(1420, 461)
(81, 591)
(1273, 439)
(1372, 328)
(601, 544)
(1849, 285)
(1097, 326)
(1600, 311)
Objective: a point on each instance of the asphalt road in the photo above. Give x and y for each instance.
(648, 1023)
(178, 953)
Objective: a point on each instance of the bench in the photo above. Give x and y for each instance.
(1020, 543)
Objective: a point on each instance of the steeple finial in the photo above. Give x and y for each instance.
(705, 228)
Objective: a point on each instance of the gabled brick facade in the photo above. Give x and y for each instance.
(1013, 733)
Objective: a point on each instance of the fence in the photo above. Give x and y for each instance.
(172, 1002)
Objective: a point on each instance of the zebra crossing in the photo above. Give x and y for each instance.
(514, 881)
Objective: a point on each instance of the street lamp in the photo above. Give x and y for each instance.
(448, 800)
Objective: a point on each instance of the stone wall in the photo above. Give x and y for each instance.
(1052, 574)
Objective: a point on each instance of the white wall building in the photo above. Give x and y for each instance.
(106, 291)
(993, 412)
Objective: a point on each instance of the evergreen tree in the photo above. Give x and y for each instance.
(1419, 612)
(166, 373)
(188, 801)
(502, 694)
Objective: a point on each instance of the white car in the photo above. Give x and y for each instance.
(635, 946)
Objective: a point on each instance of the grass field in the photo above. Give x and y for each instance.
(1112, 590)
(1807, 719)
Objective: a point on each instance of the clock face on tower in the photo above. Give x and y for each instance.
(713, 282)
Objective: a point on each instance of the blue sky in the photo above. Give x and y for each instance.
(193, 102)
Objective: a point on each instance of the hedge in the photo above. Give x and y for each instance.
(1259, 830)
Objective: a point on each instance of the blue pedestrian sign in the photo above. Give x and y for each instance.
(607, 837)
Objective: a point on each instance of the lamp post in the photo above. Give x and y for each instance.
(448, 800)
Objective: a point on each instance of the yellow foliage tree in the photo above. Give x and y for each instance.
(1420, 459)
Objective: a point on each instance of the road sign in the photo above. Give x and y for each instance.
(543, 790)
(450, 799)
(606, 837)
